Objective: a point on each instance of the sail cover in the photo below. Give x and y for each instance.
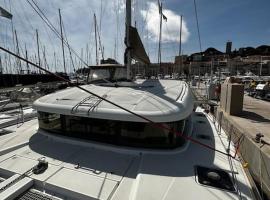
(137, 49)
(4, 13)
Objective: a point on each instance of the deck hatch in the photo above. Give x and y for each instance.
(214, 177)
(35, 195)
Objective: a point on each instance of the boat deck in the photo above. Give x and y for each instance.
(81, 170)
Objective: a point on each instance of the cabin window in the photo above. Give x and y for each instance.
(49, 121)
(136, 134)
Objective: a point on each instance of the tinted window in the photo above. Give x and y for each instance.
(111, 131)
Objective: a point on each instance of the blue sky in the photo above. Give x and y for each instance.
(244, 22)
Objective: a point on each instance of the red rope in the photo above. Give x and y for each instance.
(158, 125)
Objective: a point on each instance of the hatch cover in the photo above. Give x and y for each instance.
(36, 195)
(214, 177)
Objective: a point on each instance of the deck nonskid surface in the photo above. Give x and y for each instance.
(107, 174)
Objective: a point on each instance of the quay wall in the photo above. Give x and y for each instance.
(257, 156)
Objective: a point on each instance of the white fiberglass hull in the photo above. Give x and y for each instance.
(158, 100)
(85, 170)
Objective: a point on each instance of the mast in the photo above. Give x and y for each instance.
(62, 39)
(128, 24)
(27, 64)
(13, 41)
(38, 50)
(95, 21)
(211, 73)
(180, 43)
(6, 64)
(87, 54)
(81, 63)
(1, 66)
(54, 58)
(9, 63)
(160, 35)
(260, 72)
(35, 59)
(45, 60)
(82, 57)
(114, 51)
(18, 53)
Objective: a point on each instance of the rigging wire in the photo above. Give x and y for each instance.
(101, 48)
(152, 123)
(199, 37)
(91, 39)
(172, 45)
(65, 36)
(30, 35)
(102, 13)
(198, 28)
(51, 26)
(22, 21)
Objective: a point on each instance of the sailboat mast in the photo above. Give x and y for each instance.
(87, 54)
(26, 57)
(1, 66)
(19, 64)
(62, 39)
(128, 24)
(54, 58)
(44, 57)
(95, 21)
(180, 44)
(160, 36)
(38, 50)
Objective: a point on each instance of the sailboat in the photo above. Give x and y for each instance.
(126, 139)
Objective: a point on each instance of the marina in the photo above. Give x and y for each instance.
(96, 125)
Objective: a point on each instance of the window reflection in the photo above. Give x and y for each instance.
(136, 134)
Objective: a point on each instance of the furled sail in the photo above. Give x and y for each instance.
(136, 46)
(4, 13)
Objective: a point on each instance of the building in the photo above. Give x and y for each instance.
(247, 59)
(228, 47)
(180, 63)
(153, 69)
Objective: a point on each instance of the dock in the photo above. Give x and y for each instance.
(253, 121)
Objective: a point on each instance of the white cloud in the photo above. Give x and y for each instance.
(171, 28)
(77, 17)
(78, 20)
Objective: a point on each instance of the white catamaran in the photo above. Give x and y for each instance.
(84, 147)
